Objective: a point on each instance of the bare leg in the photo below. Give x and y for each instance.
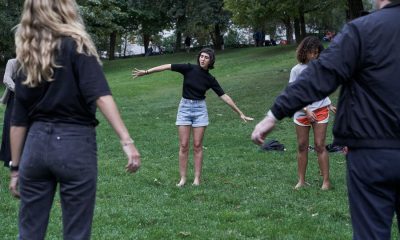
(302, 154)
(323, 157)
(198, 134)
(184, 136)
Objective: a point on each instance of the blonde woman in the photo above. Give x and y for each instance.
(53, 135)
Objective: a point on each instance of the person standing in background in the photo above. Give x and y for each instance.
(315, 116)
(8, 100)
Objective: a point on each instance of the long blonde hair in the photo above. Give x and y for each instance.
(38, 36)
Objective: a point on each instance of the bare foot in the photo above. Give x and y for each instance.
(326, 186)
(181, 183)
(196, 182)
(301, 185)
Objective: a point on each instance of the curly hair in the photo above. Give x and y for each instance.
(38, 37)
(308, 45)
(210, 53)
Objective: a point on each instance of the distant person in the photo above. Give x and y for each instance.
(315, 116)
(192, 112)
(8, 99)
(53, 136)
(188, 42)
(257, 36)
(364, 59)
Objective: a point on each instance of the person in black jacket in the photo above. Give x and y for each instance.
(364, 59)
(192, 112)
(53, 136)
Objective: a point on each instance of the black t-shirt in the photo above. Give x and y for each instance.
(69, 98)
(196, 81)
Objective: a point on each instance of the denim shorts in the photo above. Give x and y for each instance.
(192, 113)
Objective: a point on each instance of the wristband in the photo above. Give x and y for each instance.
(14, 168)
(127, 142)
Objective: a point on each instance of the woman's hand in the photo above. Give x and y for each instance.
(138, 73)
(311, 116)
(13, 187)
(245, 118)
(332, 108)
(133, 157)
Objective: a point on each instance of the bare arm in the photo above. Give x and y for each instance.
(138, 73)
(110, 111)
(17, 140)
(8, 74)
(228, 100)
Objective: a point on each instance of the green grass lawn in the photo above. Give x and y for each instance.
(245, 193)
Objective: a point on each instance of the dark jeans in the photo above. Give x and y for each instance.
(373, 180)
(64, 154)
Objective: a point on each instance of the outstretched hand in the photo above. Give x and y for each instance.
(245, 118)
(133, 158)
(138, 73)
(262, 129)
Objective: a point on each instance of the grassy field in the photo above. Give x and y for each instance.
(245, 193)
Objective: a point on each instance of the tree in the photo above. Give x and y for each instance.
(355, 9)
(211, 16)
(105, 20)
(151, 17)
(295, 15)
(10, 12)
(179, 13)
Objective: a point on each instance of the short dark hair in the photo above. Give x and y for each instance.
(308, 44)
(210, 53)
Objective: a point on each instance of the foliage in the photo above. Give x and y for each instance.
(263, 15)
(10, 11)
(151, 17)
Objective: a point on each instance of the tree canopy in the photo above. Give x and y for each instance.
(207, 21)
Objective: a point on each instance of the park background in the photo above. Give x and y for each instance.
(246, 193)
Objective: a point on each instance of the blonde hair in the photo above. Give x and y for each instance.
(38, 37)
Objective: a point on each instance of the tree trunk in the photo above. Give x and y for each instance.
(178, 41)
(125, 44)
(297, 32)
(217, 39)
(289, 29)
(113, 40)
(146, 41)
(355, 8)
(303, 32)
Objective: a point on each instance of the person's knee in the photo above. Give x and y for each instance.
(184, 147)
(319, 147)
(302, 147)
(197, 147)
